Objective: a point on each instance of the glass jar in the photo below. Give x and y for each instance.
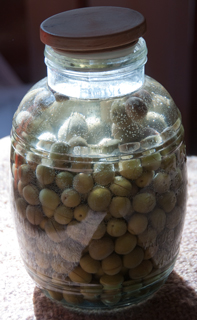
(98, 167)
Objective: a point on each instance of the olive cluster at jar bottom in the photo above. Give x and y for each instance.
(104, 237)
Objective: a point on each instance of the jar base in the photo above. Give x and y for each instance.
(108, 300)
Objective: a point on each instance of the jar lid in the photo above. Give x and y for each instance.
(93, 29)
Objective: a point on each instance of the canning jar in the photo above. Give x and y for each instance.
(98, 165)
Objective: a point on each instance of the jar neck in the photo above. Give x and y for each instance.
(100, 75)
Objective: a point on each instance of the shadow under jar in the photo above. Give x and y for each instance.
(98, 165)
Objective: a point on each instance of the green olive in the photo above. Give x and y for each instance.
(81, 212)
(169, 163)
(144, 202)
(55, 295)
(111, 281)
(25, 173)
(70, 198)
(99, 199)
(121, 187)
(100, 231)
(161, 182)
(49, 199)
(147, 238)
(73, 299)
(135, 108)
(21, 206)
(89, 264)
(103, 173)
(45, 175)
(150, 252)
(157, 218)
(59, 150)
(145, 179)
(34, 214)
(101, 249)
(31, 194)
(174, 217)
(137, 223)
(177, 180)
(167, 201)
(55, 231)
(63, 214)
(125, 243)
(116, 227)
(141, 270)
(112, 264)
(130, 169)
(151, 162)
(64, 180)
(77, 141)
(120, 207)
(79, 275)
(83, 182)
(134, 258)
(118, 114)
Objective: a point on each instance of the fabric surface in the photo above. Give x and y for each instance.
(177, 299)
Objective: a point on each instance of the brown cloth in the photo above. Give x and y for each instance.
(175, 300)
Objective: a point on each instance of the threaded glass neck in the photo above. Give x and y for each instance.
(100, 75)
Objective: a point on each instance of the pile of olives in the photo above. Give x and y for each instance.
(116, 227)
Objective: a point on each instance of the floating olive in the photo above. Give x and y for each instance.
(135, 108)
(145, 179)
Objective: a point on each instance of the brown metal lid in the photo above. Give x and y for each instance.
(93, 29)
